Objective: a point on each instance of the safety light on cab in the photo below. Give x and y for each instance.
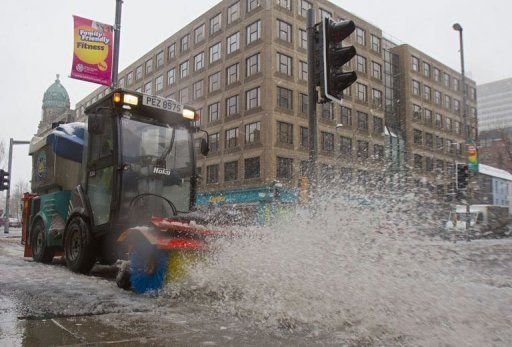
(131, 99)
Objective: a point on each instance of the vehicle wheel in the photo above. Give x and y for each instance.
(79, 246)
(40, 252)
(148, 268)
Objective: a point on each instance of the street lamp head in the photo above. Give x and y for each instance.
(457, 27)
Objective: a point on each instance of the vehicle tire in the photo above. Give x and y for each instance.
(40, 252)
(79, 246)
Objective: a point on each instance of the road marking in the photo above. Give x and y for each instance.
(76, 336)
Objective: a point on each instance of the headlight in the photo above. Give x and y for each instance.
(189, 114)
(130, 99)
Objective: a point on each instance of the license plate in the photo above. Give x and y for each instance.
(161, 103)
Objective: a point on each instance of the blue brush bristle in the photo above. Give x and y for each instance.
(142, 282)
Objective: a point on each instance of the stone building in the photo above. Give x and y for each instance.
(243, 65)
(56, 107)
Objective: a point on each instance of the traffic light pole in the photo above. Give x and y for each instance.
(312, 99)
(12, 142)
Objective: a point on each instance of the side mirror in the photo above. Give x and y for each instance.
(205, 147)
(96, 124)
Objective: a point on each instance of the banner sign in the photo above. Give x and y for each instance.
(92, 52)
(472, 156)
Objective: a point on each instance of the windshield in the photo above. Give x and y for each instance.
(157, 160)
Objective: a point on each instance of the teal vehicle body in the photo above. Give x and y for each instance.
(52, 209)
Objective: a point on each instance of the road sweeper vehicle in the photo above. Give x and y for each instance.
(121, 188)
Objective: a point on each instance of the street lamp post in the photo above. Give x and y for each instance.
(458, 27)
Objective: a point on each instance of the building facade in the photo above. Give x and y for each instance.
(243, 64)
(495, 148)
(55, 107)
(495, 105)
(431, 117)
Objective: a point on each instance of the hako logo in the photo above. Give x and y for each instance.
(161, 171)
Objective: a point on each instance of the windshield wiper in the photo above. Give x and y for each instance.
(169, 149)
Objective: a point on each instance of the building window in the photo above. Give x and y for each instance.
(138, 72)
(233, 43)
(159, 59)
(171, 52)
(378, 125)
(284, 98)
(376, 44)
(252, 4)
(212, 174)
(253, 65)
(252, 168)
(362, 121)
(185, 40)
(199, 33)
(360, 63)
(304, 137)
(234, 12)
(429, 164)
(159, 83)
(440, 165)
(446, 80)
(184, 96)
(327, 142)
(304, 7)
(171, 77)
(303, 71)
(285, 133)
(232, 73)
(429, 140)
(456, 85)
(214, 82)
(415, 63)
(232, 105)
(439, 143)
(448, 122)
(284, 168)
(198, 89)
(213, 112)
(378, 152)
(253, 32)
(362, 92)
(428, 117)
(415, 87)
(303, 98)
(418, 162)
(213, 140)
(361, 36)
(215, 52)
(327, 111)
(418, 137)
(149, 66)
(303, 39)
(426, 70)
(437, 97)
(345, 145)
(437, 75)
(215, 24)
(284, 64)
(439, 121)
(362, 149)
(284, 31)
(231, 138)
(199, 61)
(252, 133)
(129, 78)
(456, 105)
(148, 88)
(377, 98)
(231, 171)
(184, 69)
(427, 92)
(447, 102)
(346, 116)
(324, 13)
(376, 70)
(252, 98)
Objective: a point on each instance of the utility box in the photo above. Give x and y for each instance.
(57, 159)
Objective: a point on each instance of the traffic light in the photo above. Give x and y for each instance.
(462, 176)
(4, 180)
(333, 56)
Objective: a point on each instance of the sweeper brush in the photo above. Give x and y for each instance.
(162, 252)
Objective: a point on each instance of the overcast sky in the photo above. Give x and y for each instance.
(36, 44)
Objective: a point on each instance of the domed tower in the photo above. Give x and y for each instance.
(56, 106)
